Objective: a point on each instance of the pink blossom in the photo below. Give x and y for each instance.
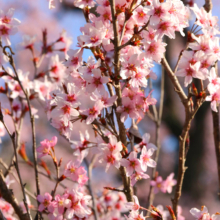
(104, 97)
(111, 158)
(134, 206)
(158, 184)
(138, 79)
(56, 69)
(28, 42)
(190, 72)
(145, 158)
(170, 182)
(136, 216)
(132, 164)
(155, 49)
(202, 43)
(214, 81)
(149, 101)
(45, 202)
(46, 145)
(215, 48)
(61, 203)
(214, 97)
(81, 147)
(203, 214)
(96, 81)
(145, 143)
(75, 207)
(136, 176)
(128, 109)
(159, 11)
(84, 3)
(104, 12)
(140, 15)
(92, 113)
(5, 31)
(43, 88)
(90, 65)
(75, 59)
(7, 17)
(72, 169)
(93, 35)
(64, 110)
(6, 207)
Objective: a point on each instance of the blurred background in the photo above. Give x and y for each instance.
(200, 185)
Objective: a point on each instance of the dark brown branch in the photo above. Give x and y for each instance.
(122, 131)
(208, 5)
(16, 178)
(216, 132)
(12, 137)
(2, 217)
(8, 196)
(182, 143)
(190, 113)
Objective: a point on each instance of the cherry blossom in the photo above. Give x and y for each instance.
(136, 176)
(145, 142)
(128, 109)
(46, 145)
(158, 184)
(159, 11)
(200, 214)
(96, 81)
(170, 182)
(93, 112)
(134, 206)
(132, 163)
(145, 158)
(155, 49)
(45, 202)
(76, 172)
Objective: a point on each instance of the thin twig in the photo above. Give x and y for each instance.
(90, 167)
(8, 196)
(175, 82)
(17, 179)
(11, 61)
(190, 113)
(12, 137)
(157, 123)
(180, 56)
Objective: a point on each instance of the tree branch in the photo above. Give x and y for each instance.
(12, 137)
(90, 167)
(175, 82)
(157, 123)
(8, 196)
(122, 131)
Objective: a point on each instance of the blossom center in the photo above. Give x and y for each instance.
(66, 109)
(92, 111)
(70, 98)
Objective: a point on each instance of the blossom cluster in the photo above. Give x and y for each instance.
(100, 93)
(8, 25)
(203, 214)
(204, 53)
(73, 203)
